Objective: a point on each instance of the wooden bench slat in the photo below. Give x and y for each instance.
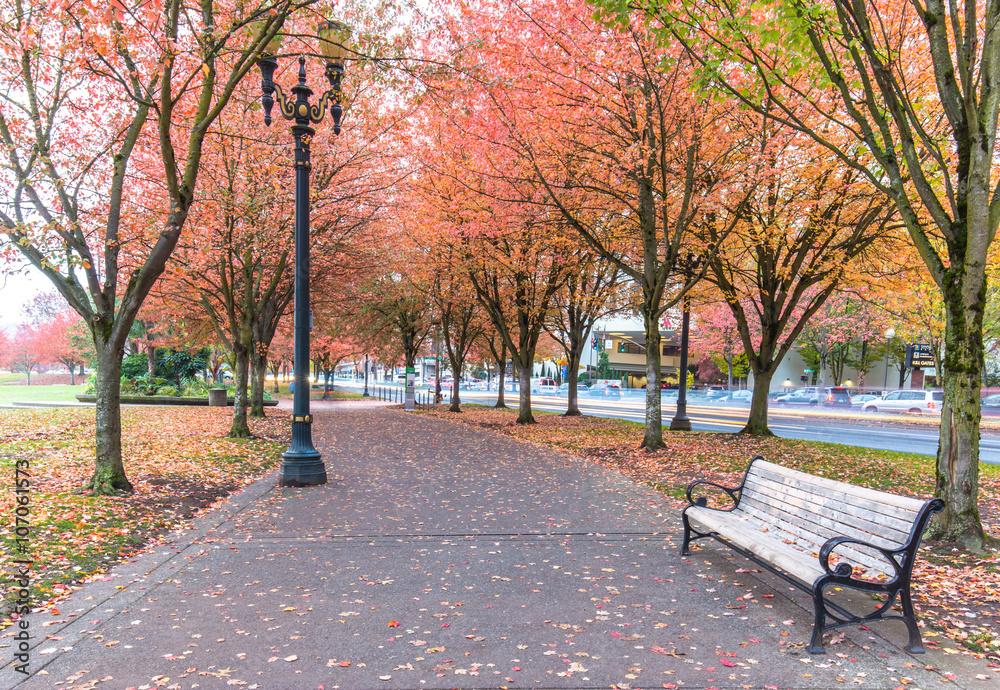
(875, 499)
(813, 541)
(886, 535)
(839, 504)
(894, 518)
(792, 561)
(825, 522)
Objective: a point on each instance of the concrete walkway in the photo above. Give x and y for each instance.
(440, 556)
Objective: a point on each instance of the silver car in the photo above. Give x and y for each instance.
(915, 401)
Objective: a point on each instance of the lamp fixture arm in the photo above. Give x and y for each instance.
(298, 108)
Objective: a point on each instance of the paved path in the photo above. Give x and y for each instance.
(441, 556)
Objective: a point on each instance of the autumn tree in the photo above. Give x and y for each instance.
(64, 339)
(828, 339)
(716, 332)
(591, 292)
(329, 348)
(497, 348)
(89, 93)
(461, 324)
(912, 85)
(25, 350)
(604, 125)
(807, 227)
(388, 314)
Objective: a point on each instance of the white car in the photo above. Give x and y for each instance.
(915, 401)
(734, 398)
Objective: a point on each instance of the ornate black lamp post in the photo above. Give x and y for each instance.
(680, 422)
(301, 464)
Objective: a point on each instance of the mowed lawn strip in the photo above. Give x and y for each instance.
(178, 460)
(957, 594)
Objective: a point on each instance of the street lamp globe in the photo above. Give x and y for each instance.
(334, 40)
(257, 30)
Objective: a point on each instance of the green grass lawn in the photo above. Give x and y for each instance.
(38, 393)
(47, 393)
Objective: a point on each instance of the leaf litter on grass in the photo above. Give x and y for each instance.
(957, 593)
(177, 459)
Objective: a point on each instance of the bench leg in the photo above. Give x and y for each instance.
(687, 535)
(916, 645)
(819, 620)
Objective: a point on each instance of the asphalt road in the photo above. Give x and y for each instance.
(884, 432)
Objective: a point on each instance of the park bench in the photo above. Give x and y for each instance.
(816, 533)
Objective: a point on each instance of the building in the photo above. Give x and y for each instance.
(625, 342)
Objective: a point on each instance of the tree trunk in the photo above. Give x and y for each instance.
(275, 371)
(455, 402)
(241, 360)
(957, 473)
(72, 375)
(258, 368)
(109, 471)
(757, 421)
(524, 415)
(502, 368)
(151, 360)
(572, 381)
(653, 436)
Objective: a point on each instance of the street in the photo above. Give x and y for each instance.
(883, 432)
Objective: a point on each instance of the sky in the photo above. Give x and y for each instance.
(16, 291)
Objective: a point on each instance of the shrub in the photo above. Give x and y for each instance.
(168, 391)
(135, 365)
(128, 386)
(147, 386)
(195, 388)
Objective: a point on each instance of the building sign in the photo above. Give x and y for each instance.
(919, 355)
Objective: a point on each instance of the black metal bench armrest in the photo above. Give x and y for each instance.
(845, 569)
(734, 492)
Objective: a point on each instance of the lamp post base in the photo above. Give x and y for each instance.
(301, 470)
(680, 422)
(301, 464)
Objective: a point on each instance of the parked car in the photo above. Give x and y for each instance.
(915, 401)
(991, 405)
(814, 395)
(543, 386)
(810, 395)
(605, 390)
(713, 392)
(581, 389)
(838, 396)
(859, 400)
(734, 398)
(508, 385)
